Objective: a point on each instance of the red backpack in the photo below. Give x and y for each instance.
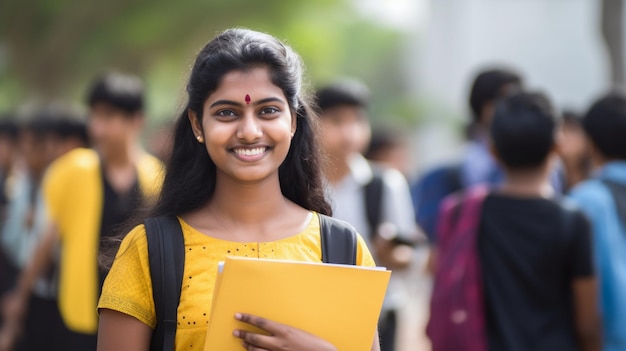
(457, 315)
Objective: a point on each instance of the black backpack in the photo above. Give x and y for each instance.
(167, 259)
(373, 194)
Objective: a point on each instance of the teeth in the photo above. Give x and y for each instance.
(250, 152)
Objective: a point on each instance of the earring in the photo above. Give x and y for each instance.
(199, 138)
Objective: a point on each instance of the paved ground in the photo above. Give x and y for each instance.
(413, 318)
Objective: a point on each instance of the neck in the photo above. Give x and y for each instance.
(122, 157)
(528, 183)
(247, 203)
(577, 170)
(36, 176)
(336, 169)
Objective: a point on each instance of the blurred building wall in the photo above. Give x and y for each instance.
(556, 44)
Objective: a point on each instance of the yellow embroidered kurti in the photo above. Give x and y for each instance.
(128, 287)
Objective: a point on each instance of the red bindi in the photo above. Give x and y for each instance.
(247, 99)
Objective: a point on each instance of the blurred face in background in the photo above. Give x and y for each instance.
(573, 141)
(345, 131)
(35, 152)
(489, 107)
(574, 150)
(8, 148)
(395, 156)
(113, 130)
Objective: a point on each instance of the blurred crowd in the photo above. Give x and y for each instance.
(523, 237)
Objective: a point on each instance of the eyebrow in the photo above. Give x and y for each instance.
(239, 104)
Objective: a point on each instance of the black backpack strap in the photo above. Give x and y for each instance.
(339, 241)
(166, 250)
(373, 194)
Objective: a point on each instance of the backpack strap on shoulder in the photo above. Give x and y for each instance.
(166, 251)
(373, 196)
(339, 241)
(618, 192)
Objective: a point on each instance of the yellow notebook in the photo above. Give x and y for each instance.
(338, 303)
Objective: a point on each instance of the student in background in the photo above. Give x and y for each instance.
(87, 194)
(384, 217)
(477, 166)
(9, 133)
(389, 148)
(41, 138)
(66, 134)
(603, 198)
(574, 151)
(533, 248)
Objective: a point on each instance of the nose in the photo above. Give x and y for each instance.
(350, 131)
(249, 129)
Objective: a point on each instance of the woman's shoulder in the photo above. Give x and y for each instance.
(135, 240)
(128, 285)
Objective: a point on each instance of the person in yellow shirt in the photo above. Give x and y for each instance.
(87, 194)
(244, 179)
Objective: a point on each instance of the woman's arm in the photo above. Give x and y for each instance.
(120, 332)
(376, 344)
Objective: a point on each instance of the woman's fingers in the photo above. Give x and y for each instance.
(249, 347)
(281, 338)
(254, 342)
(262, 323)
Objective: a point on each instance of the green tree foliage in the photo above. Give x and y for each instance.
(51, 49)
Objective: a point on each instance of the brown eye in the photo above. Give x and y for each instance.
(225, 113)
(269, 110)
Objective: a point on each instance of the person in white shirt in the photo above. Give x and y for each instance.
(374, 199)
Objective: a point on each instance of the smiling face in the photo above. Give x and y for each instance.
(246, 126)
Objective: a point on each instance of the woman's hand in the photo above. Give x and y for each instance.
(282, 337)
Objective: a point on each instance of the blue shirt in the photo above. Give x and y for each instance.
(609, 239)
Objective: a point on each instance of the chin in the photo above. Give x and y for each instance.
(251, 177)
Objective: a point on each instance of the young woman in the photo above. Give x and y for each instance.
(244, 180)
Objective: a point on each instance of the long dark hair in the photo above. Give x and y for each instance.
(190, 174)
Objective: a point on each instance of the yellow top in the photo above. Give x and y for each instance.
(128, 287)
(73, 192)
